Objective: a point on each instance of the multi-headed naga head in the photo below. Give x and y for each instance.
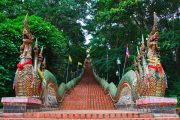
(25, 48)
(149, 68)
(152, 41)
(27, 36)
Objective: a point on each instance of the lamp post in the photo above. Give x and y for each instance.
(108, 48)
(118, 63)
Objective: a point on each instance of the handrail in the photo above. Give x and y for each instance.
(114, 100)
(96, 77)
(77, 79)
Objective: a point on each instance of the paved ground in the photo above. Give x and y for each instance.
(87, 95)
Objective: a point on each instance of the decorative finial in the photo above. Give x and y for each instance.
(142, 39)
(27, 36)
(36, 43)
(26, 21)
(138, 50)
(36, 56)
(41, 52)
(156, 19)
(135, 60)
(36, 47)
(40, 58)
(153, 38)
(154, 29)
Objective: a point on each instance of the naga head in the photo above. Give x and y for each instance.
(152, 41)
(25, 48)
(149, 69)
(27, 36)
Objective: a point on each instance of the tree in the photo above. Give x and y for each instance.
(64, 14)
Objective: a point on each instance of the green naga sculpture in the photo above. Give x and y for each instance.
(146, 84)
(24, 87)
(34, 80)
(148, 78)
(151, 79)
(35, 87)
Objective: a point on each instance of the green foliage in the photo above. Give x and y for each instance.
(5, 80)
(61, 13)
(78, 54)
(169, 43)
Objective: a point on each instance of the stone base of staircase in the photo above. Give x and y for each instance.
(89, 114)
(50, 108)
(157, 104)
(21, 104)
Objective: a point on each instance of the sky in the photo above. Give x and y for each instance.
(81, 21)
(87, 36)
(85, 32)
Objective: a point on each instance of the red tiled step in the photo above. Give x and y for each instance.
(87, 95)
(91, 119)
(88, 114)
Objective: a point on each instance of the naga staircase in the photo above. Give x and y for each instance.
(87, 95)
(139, 94)
(88, 100)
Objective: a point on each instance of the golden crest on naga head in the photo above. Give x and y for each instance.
(152, 41)
(27, 36)
(25, 31)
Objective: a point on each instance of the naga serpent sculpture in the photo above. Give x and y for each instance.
(147, 79)
(33, 80)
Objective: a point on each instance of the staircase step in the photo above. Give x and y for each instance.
(89, 114)
(91, 119)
